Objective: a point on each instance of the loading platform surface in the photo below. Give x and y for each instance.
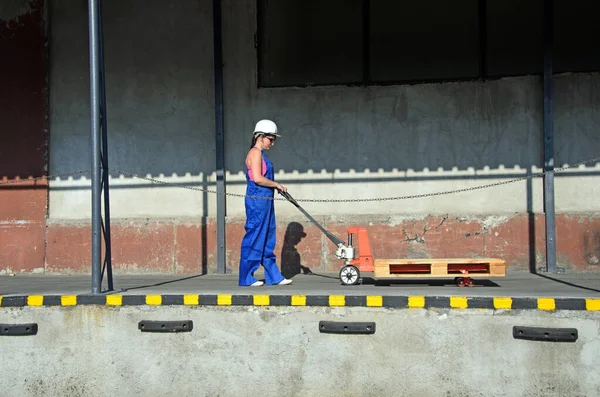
(520, 290)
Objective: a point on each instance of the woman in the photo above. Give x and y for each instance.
(260, 239)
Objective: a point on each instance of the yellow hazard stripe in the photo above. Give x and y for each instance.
(546, 304)
(416, 301)
(114, 300)
(502, 303)
(298, 300)
(224, 300)
(337, 300)
(262, 300)
(35, 300)
(374, 301)
(154, 300)
(592, 304)
(68, 300)
(458, 302)
(191, 300)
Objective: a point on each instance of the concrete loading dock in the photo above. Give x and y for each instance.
(439, 337)
(380, 99)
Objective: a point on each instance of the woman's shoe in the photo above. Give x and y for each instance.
(257, 284)
(285, 281)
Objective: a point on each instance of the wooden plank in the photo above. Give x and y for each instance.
(439, 260)
(498, 269)
(435, 267)
(439, 269)
(381, 269)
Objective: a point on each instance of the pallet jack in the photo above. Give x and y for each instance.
(350, 274)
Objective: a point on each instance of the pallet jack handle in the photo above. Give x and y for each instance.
(336, 240)
(350, 273)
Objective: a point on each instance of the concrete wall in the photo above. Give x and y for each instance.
(159, 86)
(23, 134)
(338, 142)
(279, 351)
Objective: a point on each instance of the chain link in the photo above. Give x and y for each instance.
(447, 192)
(377, 199)
(199, 189)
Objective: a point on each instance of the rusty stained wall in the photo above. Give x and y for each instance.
(185, 247)
(23, 134)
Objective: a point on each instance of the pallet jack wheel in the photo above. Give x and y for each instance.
(464, 281)
(349, 275)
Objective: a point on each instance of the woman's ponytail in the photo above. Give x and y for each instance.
(254, 138)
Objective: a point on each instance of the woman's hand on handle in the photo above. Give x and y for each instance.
(281, 188)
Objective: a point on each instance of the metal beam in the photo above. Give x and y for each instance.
(104, 156)
(549, 138)
(220, 144)
(95, 147)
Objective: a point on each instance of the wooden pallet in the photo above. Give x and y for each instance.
(446, 267)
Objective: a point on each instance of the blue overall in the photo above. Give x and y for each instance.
(260, 239)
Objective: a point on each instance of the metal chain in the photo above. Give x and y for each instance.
(489, 185)
(407, 197)
(596, 159)
(199, 189)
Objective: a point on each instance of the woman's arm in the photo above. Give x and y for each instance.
(254, 161)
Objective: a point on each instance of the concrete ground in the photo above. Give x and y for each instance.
(424, 342)
(573, 285)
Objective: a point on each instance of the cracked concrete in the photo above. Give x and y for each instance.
(417, 238)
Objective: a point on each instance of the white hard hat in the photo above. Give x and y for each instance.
(266, 127)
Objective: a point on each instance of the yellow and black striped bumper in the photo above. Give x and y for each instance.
(393, 302)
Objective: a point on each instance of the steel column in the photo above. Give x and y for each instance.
(220, 144)
(549, 138)
(95, 147)
(104, 155)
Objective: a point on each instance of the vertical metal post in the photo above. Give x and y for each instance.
(104, 155)
(95, 147)
(549, 138)
(220, 144)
